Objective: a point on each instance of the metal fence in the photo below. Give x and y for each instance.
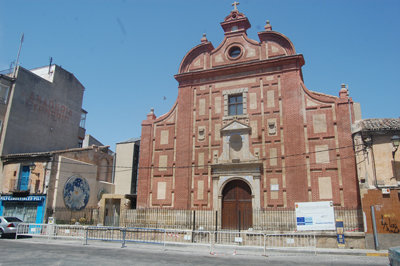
(290, 240)
(171, 219)
(270, 220)
(163, 237)
(275, 219)
(51, 231)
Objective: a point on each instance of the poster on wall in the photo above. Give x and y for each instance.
(315, 216)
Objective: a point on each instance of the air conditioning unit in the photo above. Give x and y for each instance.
(385, 190)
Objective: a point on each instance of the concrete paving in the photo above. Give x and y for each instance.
(43, 251)
(215, 250)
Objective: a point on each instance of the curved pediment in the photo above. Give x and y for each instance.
(235, 48)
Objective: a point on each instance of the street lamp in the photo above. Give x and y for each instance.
(395, 142)
(32, 166)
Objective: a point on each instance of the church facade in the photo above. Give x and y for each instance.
(245, 133)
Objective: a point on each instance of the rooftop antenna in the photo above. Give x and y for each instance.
(19, 51)
(348, 101)
(51, 61)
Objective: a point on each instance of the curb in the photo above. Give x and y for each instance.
(377, 254)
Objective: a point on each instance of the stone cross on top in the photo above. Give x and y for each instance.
(235, 4)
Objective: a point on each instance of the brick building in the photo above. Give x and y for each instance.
(42, 184)
(245, 133)
(378, 168)
(40, 111)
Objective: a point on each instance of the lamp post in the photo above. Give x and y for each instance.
(32, 166)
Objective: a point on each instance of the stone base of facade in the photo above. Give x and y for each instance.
(353, 240)
(385, 241)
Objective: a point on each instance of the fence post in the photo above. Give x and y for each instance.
(165, 236)
(265, 245)
(216, 226)
(194, 225)
(86, 235)
(50, 229)
(239, 220)
(16, 233)
(123, 237)
(211, 242)
(315, 245)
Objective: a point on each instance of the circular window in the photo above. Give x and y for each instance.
(234, 52)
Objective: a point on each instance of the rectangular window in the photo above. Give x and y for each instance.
(235, 104)
(83, 119)
(3, 94)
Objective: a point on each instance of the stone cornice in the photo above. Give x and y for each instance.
(244, 69)
(241, 168)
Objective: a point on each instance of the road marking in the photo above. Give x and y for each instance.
(377, 254)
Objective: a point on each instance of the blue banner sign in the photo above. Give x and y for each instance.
(29, 198)
(340, 233)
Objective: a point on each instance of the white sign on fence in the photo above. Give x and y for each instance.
(290, 240)
(315, 216)
(238, 240)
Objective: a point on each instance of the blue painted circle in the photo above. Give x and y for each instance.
(76, 193)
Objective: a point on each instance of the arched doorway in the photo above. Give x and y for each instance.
(236, 206)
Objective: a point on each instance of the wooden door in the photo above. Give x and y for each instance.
(236, 206)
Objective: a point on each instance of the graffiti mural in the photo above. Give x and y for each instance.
(389, 224)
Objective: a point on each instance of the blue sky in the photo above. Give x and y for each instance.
(126, 52)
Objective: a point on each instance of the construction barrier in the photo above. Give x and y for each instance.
(168, 236)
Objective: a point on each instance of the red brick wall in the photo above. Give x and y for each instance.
(387, 211)
(296, 171)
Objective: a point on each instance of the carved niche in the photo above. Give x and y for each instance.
(235, 137)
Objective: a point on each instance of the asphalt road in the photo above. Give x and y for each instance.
(43, 252)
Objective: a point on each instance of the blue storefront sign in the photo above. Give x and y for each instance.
(29, 198)
(29, 209)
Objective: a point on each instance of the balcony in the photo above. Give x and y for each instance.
(33, 186)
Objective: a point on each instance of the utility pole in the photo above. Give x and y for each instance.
(19, 51)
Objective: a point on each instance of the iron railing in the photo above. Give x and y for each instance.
(270, 220)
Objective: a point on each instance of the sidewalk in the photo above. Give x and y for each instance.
(217, 250)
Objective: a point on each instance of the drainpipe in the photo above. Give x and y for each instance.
(373, 162)
(113, 168)
(376, 241)
(47, 172)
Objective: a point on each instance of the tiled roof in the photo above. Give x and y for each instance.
(48, 153)
(381, 124)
